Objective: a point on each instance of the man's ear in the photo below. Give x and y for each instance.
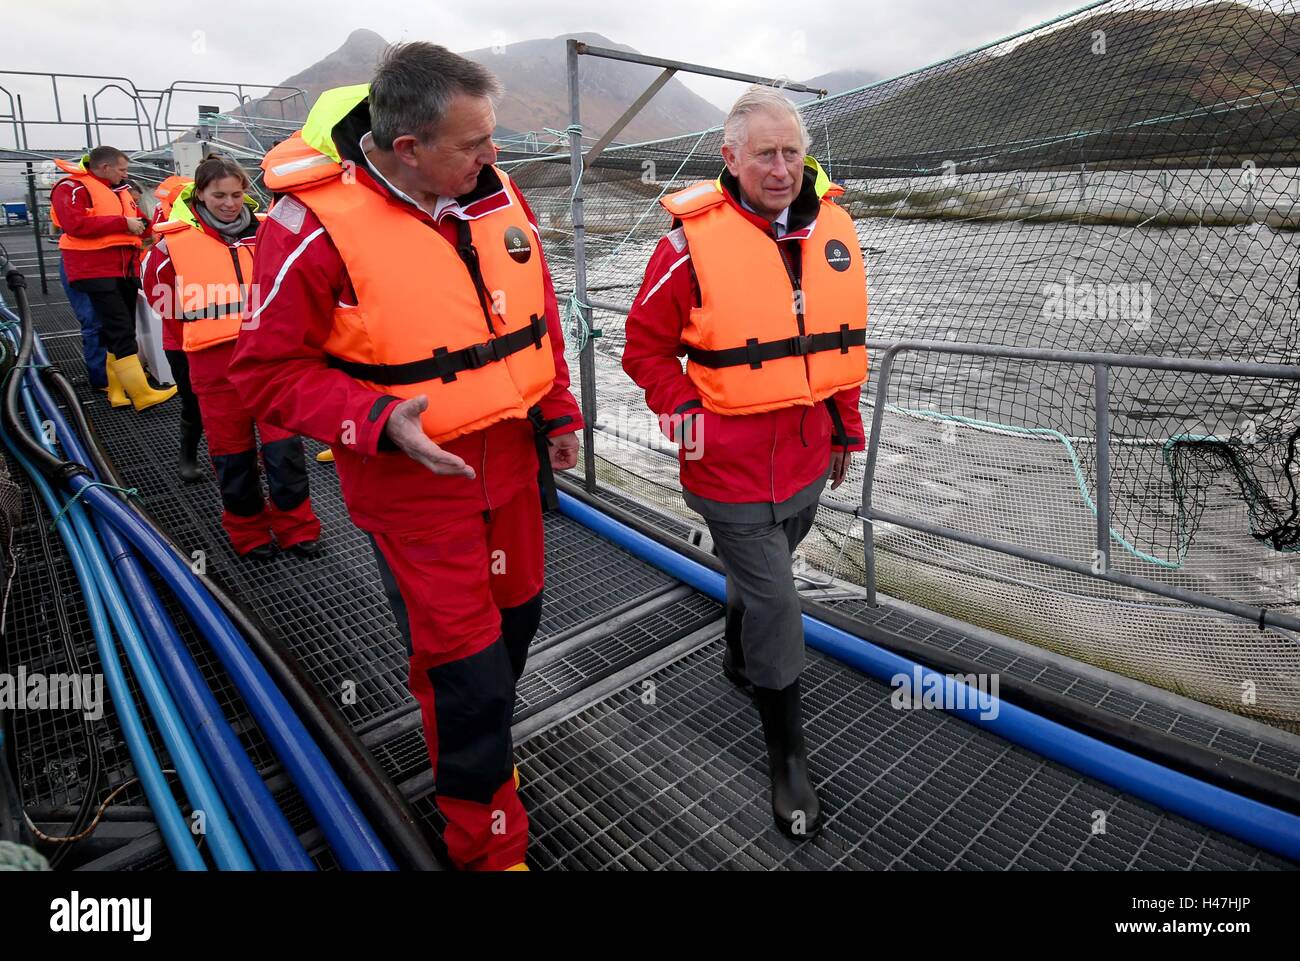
(404, 149)
(732, 160)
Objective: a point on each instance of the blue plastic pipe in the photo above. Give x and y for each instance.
(227, 849)
(270, 837)
(171, 823)
(346, 829)
(1245, 818)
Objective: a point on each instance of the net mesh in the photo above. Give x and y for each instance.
(1121, 179)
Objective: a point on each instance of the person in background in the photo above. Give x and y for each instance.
(760, 283)
(101, 242)
(200, 275)
(191, 415)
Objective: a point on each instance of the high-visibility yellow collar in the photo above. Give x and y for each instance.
(331, 107)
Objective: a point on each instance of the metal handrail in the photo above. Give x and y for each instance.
(1101, 364)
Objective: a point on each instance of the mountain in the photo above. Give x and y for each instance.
(1162, 92)
(837, 81)
(533, 73)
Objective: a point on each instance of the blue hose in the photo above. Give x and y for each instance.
(227, 849)
(346, 829)
(1251, 821)
(274, 844)
(172, 824)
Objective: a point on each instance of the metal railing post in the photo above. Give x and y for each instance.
(1101, 380)
(869, 476)
(35, 214)
(587, 356)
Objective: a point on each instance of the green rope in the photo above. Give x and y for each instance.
(574, 312)
(19, 857)
(128, 491)
(1080, 480)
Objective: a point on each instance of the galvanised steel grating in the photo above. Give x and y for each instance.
(682, 784)
(1053, 676)
(613, 786)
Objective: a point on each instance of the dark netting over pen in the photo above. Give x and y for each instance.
(1122, 179)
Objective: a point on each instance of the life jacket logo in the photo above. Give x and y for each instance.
(837, 255)
(518, 246)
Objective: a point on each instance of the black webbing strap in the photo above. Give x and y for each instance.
(444, 365)
(755, 353)
(212, 312)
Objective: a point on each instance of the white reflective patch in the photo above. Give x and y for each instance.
(682, 199)
(678, 239)
(289, 213)
(293, 166)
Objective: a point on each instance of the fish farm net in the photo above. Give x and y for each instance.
(1122, 179)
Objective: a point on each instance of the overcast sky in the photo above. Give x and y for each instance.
(155, 43)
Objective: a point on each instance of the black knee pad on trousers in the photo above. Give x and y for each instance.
(241, 490)
(473, 701)
(518, 628)
(286, 472)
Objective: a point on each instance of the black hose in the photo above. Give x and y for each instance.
(375, 792)
(54, 469)
(1234, 774)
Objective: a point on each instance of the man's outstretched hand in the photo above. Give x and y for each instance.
(404, 430)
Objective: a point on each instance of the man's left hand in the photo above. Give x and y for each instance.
(840, 460)
(564, 451)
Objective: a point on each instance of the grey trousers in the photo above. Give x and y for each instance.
(756, 555)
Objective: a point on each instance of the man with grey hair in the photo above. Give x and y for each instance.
(407, 319)
(760, 284)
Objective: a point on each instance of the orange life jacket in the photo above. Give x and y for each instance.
(748, 349)
(212, 279)
(104, 202)
(166, 193)
(466, 327)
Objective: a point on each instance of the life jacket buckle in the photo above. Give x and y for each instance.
(480, 355)
(801, 345)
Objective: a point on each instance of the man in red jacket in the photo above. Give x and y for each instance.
(101, 242)
(760, 283)
(407, 318)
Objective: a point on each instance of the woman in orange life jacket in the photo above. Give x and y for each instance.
(200, 276)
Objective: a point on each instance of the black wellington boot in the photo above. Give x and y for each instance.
(189, 468)
(733, 656)
(795, 806)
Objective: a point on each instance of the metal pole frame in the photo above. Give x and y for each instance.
(575, 49)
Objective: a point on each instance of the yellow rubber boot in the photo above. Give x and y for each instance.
(136, 385)
(325, 457)
(518, 867)
(116, 395)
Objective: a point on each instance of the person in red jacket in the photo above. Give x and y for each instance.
(198, 276)
(101, 242)
(760, 284)
(407, 319)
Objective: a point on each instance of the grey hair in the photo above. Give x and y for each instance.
(414, 85)
(759, 99)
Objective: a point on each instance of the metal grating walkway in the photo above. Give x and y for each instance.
(610, 780)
